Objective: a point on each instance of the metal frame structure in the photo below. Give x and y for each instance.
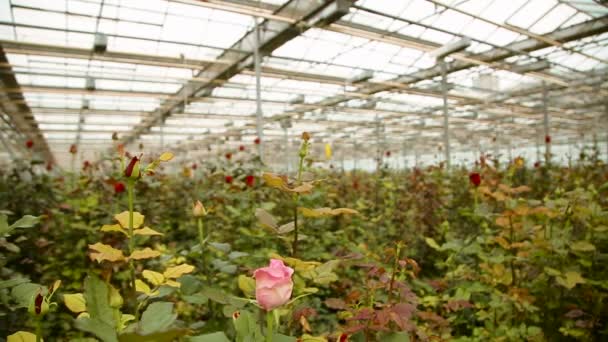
(204, 77)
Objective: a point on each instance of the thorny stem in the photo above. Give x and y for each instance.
(130, 186)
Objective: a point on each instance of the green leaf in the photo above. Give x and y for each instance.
(432, 243)
(582, 246)
(26, 221)
(190, 284)
(224, 247)
(247, 330)
(23, 293)
(395, 337)
(166, 336)
(158, 317)
(101, 319)
(5, 284)
(282, 338)
(247, 285)
(324, 273)
(212, 337)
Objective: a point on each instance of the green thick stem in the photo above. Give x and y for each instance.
(201, 238)
(38, 330)
(269, 325)
(130, 186)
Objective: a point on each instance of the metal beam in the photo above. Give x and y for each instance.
(273, 34)
(13, 104)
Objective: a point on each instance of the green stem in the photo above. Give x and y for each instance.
(130, 186)
(395, 264)
(38, 330)
(269, 325)
(201, 237)
(296, 200)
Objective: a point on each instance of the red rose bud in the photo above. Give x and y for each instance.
(537, 164)
(241, 148)
(343, 338)
(257, 141)
(29, 144)
(388, 153)
(132, 171)
(86, 164)
(355, 185)
(38, 304)
(119, 187)
(49, 166)
(228, 156)
(475, 178)
(228, 179)
(250, 181)
(194, 166)
(73, 149)
(547, 139)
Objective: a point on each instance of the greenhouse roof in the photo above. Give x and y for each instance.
(180, 74)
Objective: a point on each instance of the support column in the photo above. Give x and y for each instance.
(356, 146)
(546, 124)
(446, 121)
(259, 116)
(286, 137)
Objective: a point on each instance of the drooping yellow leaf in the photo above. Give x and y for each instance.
(123, 219)
(142, 287)
(305, 188)
(177, 271)
(146, 231)
(571, 279)
(55, 286)
(324, 212)
(502, 242)
(297, 264)
(166, 156)
(145, 253)
(247, 285)
(503, 221)
(172, 283)
(113, 228)
(75, 302)
(21, 336)
(154, 278)
(266, 219)
(105, 252)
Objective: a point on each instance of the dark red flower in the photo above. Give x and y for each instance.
(475, 178)
(343, 338)
(133, 167)
(119, 187)
(86, 165)
(194, 166)
(356, 185)
(228, 179)
(73, 149)
(547, 139)
(257, 141)
(49, 166)
(537, 164)
(250, 181)
(38, 304)
(241, 148)
(228, 155)
(387, 153)
(29, 143)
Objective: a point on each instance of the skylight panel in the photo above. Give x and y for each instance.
(553, 19)
(531, 12)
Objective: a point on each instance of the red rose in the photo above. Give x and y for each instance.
(343, 338)
(547, 139)
(132, 170)
(241, 148)
(194, 166)
(49, 166)
(29, 144)
(86, 165)
(388, 153)
(73, 149)
(228, 179)
(228, 155)
(119, 187)
(537, 164)
(250, 180)
(475, 178)
(257, 141)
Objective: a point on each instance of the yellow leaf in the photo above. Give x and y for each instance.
(305, 188)
(321, 212)
(142, 287)
(113, 228)
(328, 151)
(154, 278)
(123, 219)
(22, 336)
(297, 264)
(172, 283)
(145, 253)
(502, 242)
(582, 246)
(274, 180)
(83, 315)
(571, 280)
(247, 285)
(177, 271)
(75, 302)
(146, 231)
(166, 156)
(105, 252)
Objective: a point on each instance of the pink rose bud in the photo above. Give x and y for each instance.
(273, 284)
